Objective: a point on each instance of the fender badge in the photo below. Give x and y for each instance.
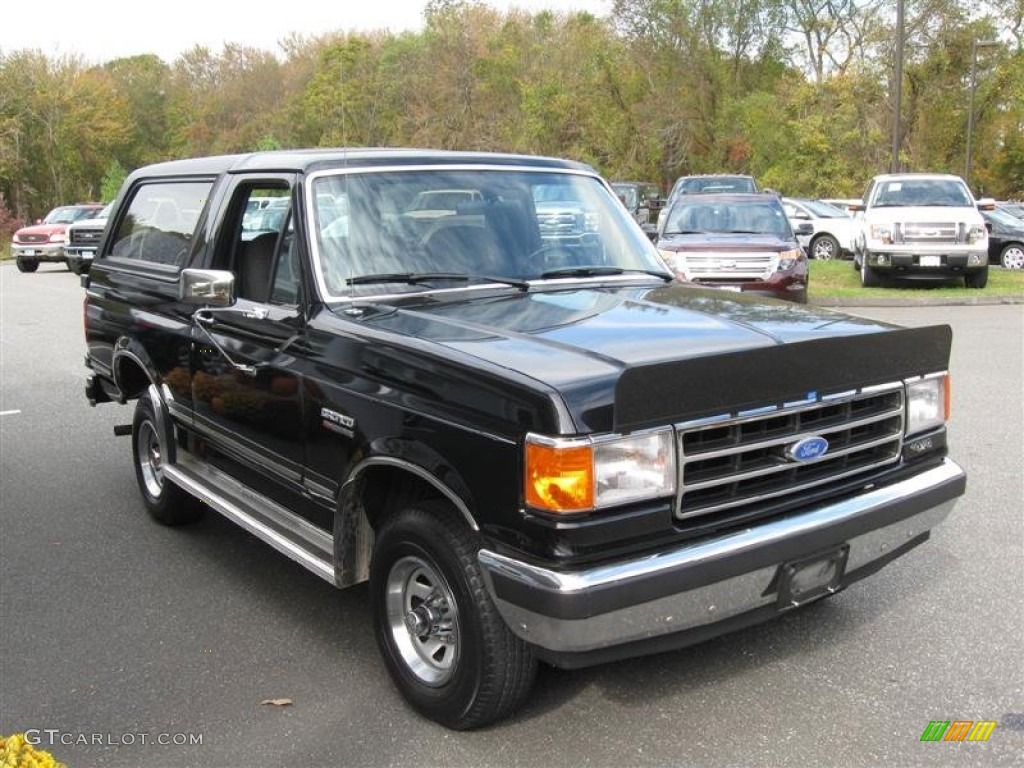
(808, 448)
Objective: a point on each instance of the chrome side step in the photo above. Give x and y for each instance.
(308, 545)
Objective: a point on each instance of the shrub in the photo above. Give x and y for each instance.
(15, 752)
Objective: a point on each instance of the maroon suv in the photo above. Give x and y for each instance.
(44, 240)
(737, 242)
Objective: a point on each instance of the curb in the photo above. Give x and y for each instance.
(972, 301)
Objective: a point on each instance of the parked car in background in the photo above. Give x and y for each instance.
(834, 232)
(1005, 239)
(738, 242)
(1015, 209)
(707, 184)
(81, 240)
(643, 200)
(921, 226)
(44, 240)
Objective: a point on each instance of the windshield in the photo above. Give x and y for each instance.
(509, 226)
(68, 213)
(1006, 219)
(824, 210)
(922, 193)
(713, 184)
(694, 215)
(629, 195)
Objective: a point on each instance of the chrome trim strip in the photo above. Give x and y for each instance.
(289, 534)
(390, 461)
(874, 390)
(714, 602)
(234, 444)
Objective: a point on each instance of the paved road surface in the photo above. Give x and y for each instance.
(115, 628)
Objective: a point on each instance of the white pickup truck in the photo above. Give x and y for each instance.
(921, 226)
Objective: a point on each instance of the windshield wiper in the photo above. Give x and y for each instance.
(415, 278)
(601, 272)
(683, 232)
(412, 278)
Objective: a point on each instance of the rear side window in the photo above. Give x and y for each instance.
(160, 221)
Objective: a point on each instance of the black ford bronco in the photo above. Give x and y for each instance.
(533, 448)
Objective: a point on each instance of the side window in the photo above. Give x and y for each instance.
(160, 222)
(265, 261)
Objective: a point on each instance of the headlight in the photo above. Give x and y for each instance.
(789, 259)
(927, 403)
(977, 234)
(881, 232)
(57, 237)
(585, 474)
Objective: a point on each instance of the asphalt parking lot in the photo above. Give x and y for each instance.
(117, 634)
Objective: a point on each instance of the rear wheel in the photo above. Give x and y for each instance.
(445, 646)
(977, 279)
(825, 248)
(165, 501)
(1012, 256)
(27, 265)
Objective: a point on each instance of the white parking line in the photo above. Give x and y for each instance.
(8, 413)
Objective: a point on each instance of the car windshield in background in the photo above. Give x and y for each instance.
(716, 184)
(490, 225)
(925, 193)
(757, 216)
(69, 213)
(824, 210)
(1006, 219)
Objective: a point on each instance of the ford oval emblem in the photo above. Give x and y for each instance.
(807, 449)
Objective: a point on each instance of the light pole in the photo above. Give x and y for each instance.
(897, 96)
(970, 103)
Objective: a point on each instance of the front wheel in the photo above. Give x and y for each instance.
(444, 644)
(868, 277)
(165, 501)
(27, 265)
(976, 279)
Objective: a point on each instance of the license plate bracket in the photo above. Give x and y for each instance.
(812, 578)
(930, 261)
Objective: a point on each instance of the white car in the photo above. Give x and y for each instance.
(835, 233)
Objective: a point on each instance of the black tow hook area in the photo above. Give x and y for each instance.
(122, 430)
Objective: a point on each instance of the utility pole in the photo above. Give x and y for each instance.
(897, 96)
(975, 45)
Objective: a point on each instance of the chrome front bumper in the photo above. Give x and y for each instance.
(712, 584)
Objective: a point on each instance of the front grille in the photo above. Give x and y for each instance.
(33, 238)
(741, 460)
(85, 236)
(758, 265)
(939, 233)
(558, 224)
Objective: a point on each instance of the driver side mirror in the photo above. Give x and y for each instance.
(207, 287)
(804, 228)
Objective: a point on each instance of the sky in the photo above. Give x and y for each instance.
(112, 29)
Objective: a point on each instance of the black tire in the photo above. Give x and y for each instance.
(166, 502)
(27, 265)
(868, 277)
(444, 644)
(977, 279)
(825, 248)
(75, 266)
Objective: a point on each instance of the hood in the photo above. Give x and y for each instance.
(579, 341)
(41, 229)
(931, 213)
(708, 241)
